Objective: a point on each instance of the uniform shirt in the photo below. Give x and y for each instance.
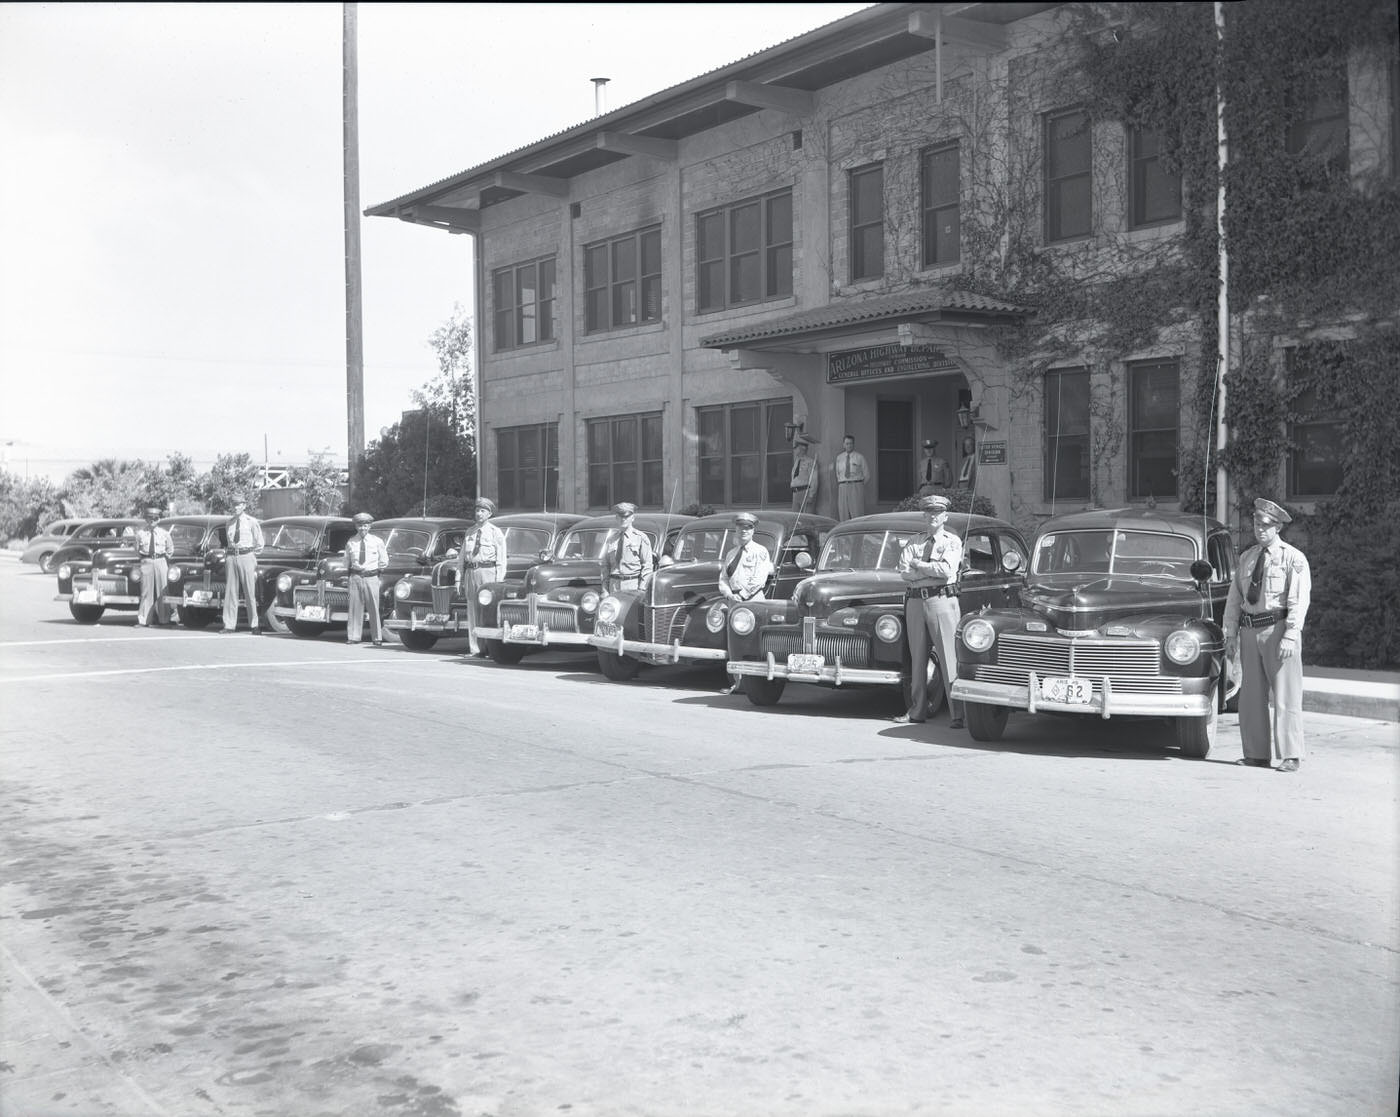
(752, 574)
(935, 471)
(850, 467)
(484, 543)
(243, 532)
(162, 546)
(943, 549)
(636, 554)
(1286, 584)
(376, 555)
(804, 473)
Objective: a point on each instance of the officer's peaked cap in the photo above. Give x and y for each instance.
(1268, 508)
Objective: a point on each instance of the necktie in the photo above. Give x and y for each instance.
(848, 467)
(237, 520)
(476, 547)
(928, 469)
(1257, 578)
(928, 549)
(362, 552)
(617, 559)
(152, 544)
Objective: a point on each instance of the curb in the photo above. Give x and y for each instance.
(1376, 706)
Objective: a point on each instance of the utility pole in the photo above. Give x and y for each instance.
(354, 323)
(1222, 308)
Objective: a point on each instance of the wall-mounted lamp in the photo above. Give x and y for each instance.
(970, 415)
(793, 429)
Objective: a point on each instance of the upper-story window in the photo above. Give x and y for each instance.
(867, 204)
(1319, 129)
(743, 252)
(745, 457)
(524, 298)
(622, 281)
(1066, 434)
(1315, 431)
(939, 182)
(1154, 193)
(1154, 417)
(1069, 207)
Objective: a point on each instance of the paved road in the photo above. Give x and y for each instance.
(269, 876)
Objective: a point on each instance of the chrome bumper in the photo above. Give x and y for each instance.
(837, 674)
(333, 616)
(453, 625)
(653, 652)
(1106, 703)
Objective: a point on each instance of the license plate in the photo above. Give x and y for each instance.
(523, 633)
(435, 618)
(804, 664)
(604, 628)
(311, 612)
(1071, 691)
(86, 595)
(201, 597)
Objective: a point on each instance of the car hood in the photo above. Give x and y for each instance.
(546, 576)
(1085, 601)
(822, 593)
(670, 583)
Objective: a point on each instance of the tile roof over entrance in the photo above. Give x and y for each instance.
(930, 305)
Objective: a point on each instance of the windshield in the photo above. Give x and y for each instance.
(186, 537)
(526, 540)
(402, 540)
(864, 550)
(588, 543)
(1104, 551)
(289, 537)
(711, 544)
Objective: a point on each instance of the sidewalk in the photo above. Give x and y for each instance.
(1358, 694)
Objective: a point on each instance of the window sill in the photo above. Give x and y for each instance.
(615, 332)
(778, 302)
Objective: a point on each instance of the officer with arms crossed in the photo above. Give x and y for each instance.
(481, 561)
(365, 557)
(929, 565)
(746, 569)
(1264, 614)
(245, 540)
(626, 557)
(154, 546)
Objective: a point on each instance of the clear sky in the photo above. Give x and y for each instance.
(171, 243)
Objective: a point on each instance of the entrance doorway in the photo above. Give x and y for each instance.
(894, 456)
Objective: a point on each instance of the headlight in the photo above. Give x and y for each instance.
(609, 610)
(402, 589)
(284, 583)
(134, 573)
(978, 635)
(714, 617)
(65, 571)
(175, 574)
(1182, 647)
(887, 628)
(742, 621)
(483, 596)
(588, 602)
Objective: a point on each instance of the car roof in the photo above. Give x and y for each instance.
(1134, 519)
(788, 519)
(551, 520)
(657, 520)
(429, 522)
(958, 522)
(114, 522)
(202, 521)
(307, 521)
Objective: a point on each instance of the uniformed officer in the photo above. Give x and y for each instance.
(481, 561)
(748, 566)
(805, 474)
(1264, 614)
(929, 565)
(365, 557)
(626, 557)
(154, 547)
(935, 474)
(245, 540)
(851, 475)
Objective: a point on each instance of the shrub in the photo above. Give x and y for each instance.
(698, 509)
(1354, 618)
(963, 500)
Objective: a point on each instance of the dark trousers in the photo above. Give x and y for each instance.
(929, 622)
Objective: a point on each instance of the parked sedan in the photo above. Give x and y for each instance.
(430, 607)
(90, 537)
(680, 616)
(556, 604)
(844, 625)
(310, 601)
(1120, 617)
(40, 549)
(113, 580)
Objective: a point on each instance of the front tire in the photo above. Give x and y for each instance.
(191, 616)
(764, 692)
(417, 641)
(305, 629)
(507, 655)
(935, 691)
(985, 722)
(86, 614)
(618, 668)
(273, 623)
(46, 562)
(1195, 736)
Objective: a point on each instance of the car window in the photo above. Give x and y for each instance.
(1104, 550)
(291, 537)
(701, 544)
(979, 554)
(340, 537)
(451, 540)
(522, 540)
(186, 537)
(581, 544)
(861, 550)
(402, 540)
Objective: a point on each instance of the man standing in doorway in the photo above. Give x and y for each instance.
(481, 561)
(935, 475)
(851, 475)
(245, 540)
(805, 474)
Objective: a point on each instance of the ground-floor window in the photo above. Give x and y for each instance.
(745, 457)
(1067, 434)
(1314, 431)
(895, 469)
(624, 461)
(1154, 416)
(527, 467)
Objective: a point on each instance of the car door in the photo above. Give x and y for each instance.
(985, 579)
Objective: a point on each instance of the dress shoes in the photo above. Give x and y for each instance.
(956, 723)
(1289, 765)
(905, 719)
(1251, 762)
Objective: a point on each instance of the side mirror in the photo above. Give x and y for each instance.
(1201, 570)
(1011, 561)
(543, 554)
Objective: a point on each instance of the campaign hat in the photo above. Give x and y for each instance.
(1268, 508)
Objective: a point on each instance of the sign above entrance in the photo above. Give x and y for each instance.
(885, 360)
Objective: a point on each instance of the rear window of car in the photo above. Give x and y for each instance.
(526, 540)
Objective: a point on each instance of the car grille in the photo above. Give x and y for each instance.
(108, 584)
(442, 599)
(852, 647)
(666, 623)
(1134, 666)
(334, 597)
(558, 617)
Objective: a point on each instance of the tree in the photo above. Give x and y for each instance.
(108, 487)
(319, 479)
(172, 487)
(412, 462)
(452, 393)
(232, 476)
(26, 505)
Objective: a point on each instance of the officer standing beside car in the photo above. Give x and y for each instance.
(929, 565)
(626, 557)
(245, 540)
(481, 561)
(154, 546)
(746, 569)
(365, 557)
(1264, 615)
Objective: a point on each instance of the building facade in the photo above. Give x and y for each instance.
(821, 239)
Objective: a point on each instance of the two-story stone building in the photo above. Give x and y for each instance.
(668, 292)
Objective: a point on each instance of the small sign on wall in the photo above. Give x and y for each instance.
(992, 453)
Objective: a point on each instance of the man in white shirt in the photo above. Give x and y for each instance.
(245, 540)
(154, 547)
(805, 474)
(851, 475)
(365, 557)
(745, 571)
(481, 561)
